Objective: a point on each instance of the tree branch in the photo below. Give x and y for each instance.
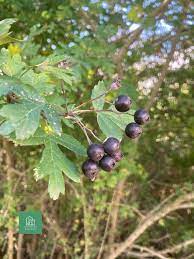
(149, 221)
(150, 251)
(114, 211)
(9, 165)
(118, 57)
(178, 247)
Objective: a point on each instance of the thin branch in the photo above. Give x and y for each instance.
(9, 165)
(118, 57)
(178, 247)
(149, 221)
(78, 121)
(19, 246)
(53, 249)
(150, 251)
(92, 133)
(91, 100)
(64, 94)
(85, 221)
(107, 225)
(114, 211)
(98, 111)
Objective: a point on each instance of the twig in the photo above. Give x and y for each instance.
(19, 246)
(92, 133)
(107, 225)
(64, 94)
(178, 247)
(53, 249)
(149, 221)
(150, 251)
(114, 211)
(93, 110)
(78, 121)
(9, 164)
(91, 100)
(85, 218)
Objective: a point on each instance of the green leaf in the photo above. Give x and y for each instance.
(52, 164)
(54, 59)
(8, 85)
(11, 65)
(12, 85)
(60, 73)
(53, 118)
(71, 143)
(135, 13)
(39, 81)
(6, 128)
(68, 123)
(5, 26)
(38, 138)
(113, 124)
(65, 140)
(24, 117)
(98, 90)
(70, 170)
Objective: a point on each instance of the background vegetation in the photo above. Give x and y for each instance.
(144, 209)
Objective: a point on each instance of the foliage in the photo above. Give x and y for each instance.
(58, 55)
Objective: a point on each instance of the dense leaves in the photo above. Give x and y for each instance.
(62, 53)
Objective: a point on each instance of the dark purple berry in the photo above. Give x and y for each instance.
(123, 103)
(141, 116)
(107, 163)
(90, 169)
(111, 145)
(133, 130)
(95, 152)
(117, 155)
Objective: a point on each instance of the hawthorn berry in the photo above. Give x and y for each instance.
(141, 116)
(95, 152)
(90, 169)
(117, 155)
(133, 130)
(123, 103)
(107, 163)
(111, 145)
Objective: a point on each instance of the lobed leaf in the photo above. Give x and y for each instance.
(53, 118)
(24, 117)
(65, 140)
(13, 85)
(11, 65)
(52, 164)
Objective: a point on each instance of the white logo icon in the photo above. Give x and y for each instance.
(30, 223)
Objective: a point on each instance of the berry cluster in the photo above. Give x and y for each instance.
(106, 155)
(102, 156)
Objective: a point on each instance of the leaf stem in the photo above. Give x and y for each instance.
(91, 100)
(78, 121)
(64, 94)
(92, 110)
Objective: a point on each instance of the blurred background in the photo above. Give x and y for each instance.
(148, 44)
